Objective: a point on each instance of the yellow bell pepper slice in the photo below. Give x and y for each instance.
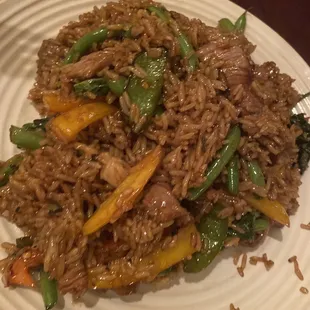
(67, 125)
(160, 260)
(58, 104)
(124, 197)
(271, 208)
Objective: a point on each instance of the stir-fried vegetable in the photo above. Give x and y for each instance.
(26, 139)
(159, 260)
(303, 141)
(81, 46)
(213, 232)
(261, 224)
(256, 173)
(99, 87)
(24, 242)
(56, 104)
(146, 93)
(9, 168)
(233, 175)
(20, 274)
(124, 197)
(37, 124)
(240, 24)
(48, 289)
(226, 25)
(67, 125)
(186, 48)
(188, 52)
(218, 164)
(271, 208)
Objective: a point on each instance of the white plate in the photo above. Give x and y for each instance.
(23, 26)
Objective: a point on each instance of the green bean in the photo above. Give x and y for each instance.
(240, 24)
(233, 175)
(118, 86)
(261, 224)
(256, 174)
(226, 25)
(9, 168)
(26, 139)
(146, 92)
(213, 232)
(160, 12)
(81, 46)
(218, 164)
(186, 49)
(24, 242)
(188, 52)
(49, 290)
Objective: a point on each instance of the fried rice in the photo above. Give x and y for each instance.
(226, 89)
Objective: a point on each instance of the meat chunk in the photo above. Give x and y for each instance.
(162, 205)
(114, 171)
(88, 66)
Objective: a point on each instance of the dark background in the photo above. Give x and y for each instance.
(290, 18)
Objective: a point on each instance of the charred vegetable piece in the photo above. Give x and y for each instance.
(218, 164)
(271, 208)
(126, 193)
(24, 242)
(240, 24)
(304, 96)
(160, 259)
(146, 93)
(256, 173)
(98, 87)
(67, 125)
(26, 139)
(213, 232)
(303, 141)
(226, 25)
(186, 48)
(9, 169)
(233, 175)
(37, 124)
(48, 289)
(81, 46)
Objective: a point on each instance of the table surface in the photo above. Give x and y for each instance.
(290, 18)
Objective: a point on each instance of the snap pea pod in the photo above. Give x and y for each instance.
(240, 24)
(146, 92)
(261, 224)
(9, 169)
(186, 49)
(213, 232)
(48, 289)
(256, 174)
(218, 164)
(118, 86)
(26, 139)
(188, 52)
(233, 175)
(226, 25)
(81, 46)
(37, 124)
